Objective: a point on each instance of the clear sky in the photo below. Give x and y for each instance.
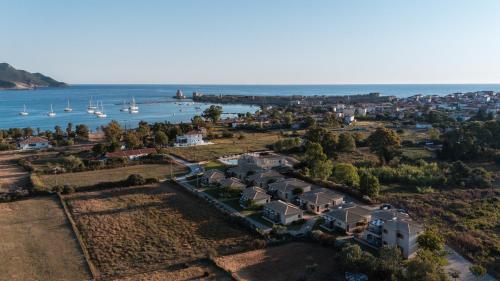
(254, 42)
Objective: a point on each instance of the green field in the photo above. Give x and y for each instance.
(226, 147)
(111, 175)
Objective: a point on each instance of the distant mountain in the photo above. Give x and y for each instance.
(11, 78)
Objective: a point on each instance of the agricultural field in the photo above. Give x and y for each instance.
(133, 230)
(294, 261)
(89, 178)
(225, 147)
(37, 243)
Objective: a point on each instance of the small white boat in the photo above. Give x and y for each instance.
(51, 112)
(133, 108)
(24, 112)
(97, 111)
(124, 108)
(102, 114)
(68, 108)
(91, 108)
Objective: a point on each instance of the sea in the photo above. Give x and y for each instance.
(157, 103)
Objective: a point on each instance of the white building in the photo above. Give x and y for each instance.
(191, 138)
(281, 212)
(33, 143)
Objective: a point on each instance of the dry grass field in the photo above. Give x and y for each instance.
(37, 243)
(12, 176)
(196, 271)
(229, 146)
(283, 263)
(110, 175)
(134, 230)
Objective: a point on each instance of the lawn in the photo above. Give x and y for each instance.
(416, 153)
(283, 263)
(133, 230)
(37, 242)
(226, 147)
(215, 165)
(89, 178)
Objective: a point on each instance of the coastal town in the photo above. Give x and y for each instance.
(304, 171)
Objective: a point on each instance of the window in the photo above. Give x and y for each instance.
(399, 235)
(385, 242)
(385, 231)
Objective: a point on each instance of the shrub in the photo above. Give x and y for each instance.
(135, 179)
(346, 173)
(68, 189)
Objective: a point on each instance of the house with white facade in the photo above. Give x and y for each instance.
(33, 143)
(281, 212)
(393, 228)
(191, 138)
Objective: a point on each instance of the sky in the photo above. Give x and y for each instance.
(254, 42)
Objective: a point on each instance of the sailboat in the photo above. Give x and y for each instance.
(51, 112)
(24, 112)
(133, 107)
(124, 107)
(91, 108)
(68, 108)
(101, 113)
(97, 111)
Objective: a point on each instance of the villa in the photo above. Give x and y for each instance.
(350, 219)
(263, 178)
(232, 183)
(212, 177)
(33, 143)
(256, 195)
(393, 228)
(288, 189)
(191, 138)
(319, 200)
(281, 212)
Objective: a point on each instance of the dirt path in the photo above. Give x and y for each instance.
(37, 243)
(12, 176)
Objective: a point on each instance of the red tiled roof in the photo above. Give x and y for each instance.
(194, 132)
(31, 140)
(128, 153)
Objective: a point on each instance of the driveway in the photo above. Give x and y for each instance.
(457, 262)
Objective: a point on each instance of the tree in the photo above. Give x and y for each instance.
(213, 113)
(58, 132)
(317, 162)
(346, 143)
(143, 130)
(369, 184)
(113, 131)
(385, 143)
(346, 173)
(430, 240)
(132, 140)
(82, 131)
(161, 138)
(351, 255)
(309, 122)
(197, 121)
(69, 129)
(329, 143)
(426, 266)
(477, 270)
(99, 149)
(73, 163)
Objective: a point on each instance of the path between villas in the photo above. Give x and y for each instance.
(196, 168)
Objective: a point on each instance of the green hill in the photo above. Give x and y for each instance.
(11, 78)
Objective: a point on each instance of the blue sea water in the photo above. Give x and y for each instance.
(156, 102)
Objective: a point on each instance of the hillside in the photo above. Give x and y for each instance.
(11, 78)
